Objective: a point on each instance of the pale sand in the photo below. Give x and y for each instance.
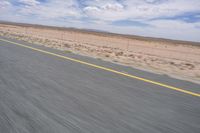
(174, 58)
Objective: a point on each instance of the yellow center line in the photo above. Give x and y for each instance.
(107, 69)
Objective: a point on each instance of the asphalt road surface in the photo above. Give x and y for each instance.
(41, 93)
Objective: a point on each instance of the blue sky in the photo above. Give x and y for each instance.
(174, 19)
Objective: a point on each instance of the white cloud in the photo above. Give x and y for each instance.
(91, 9)
(140, 9)
(53, 9)
(113, 7)
(4, 4)
(29, 2)
(176, 29)
(106, 12)
(5, 7)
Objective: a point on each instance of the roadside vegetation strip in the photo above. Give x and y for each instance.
(106, 69)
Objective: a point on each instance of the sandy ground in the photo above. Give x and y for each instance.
(173, 58)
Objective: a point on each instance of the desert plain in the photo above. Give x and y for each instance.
(180, 59)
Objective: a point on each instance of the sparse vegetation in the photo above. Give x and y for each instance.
(119, 53)
(67, 51)
(107, 55)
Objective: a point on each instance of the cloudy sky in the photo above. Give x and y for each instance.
(174, 19)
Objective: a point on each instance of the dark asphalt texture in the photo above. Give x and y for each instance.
(40, 93)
